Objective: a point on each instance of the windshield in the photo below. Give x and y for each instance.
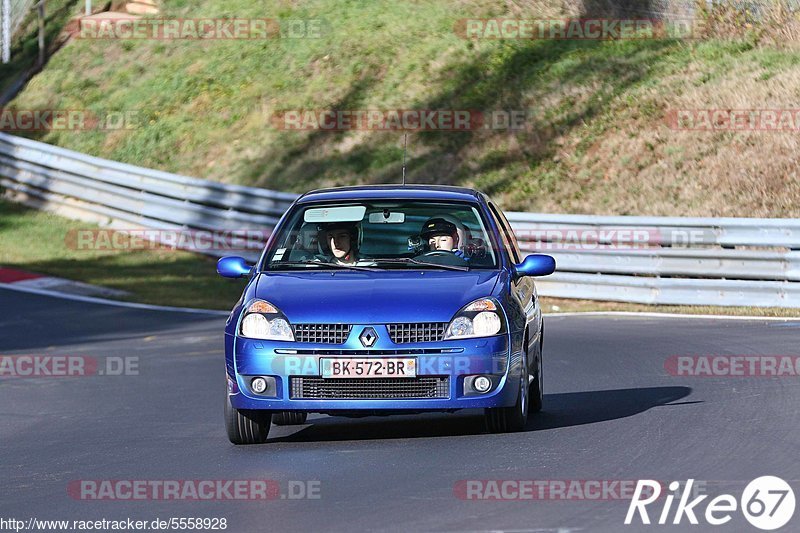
(382, 235)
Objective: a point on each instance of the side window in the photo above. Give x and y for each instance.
(511, 236)
(509, 241)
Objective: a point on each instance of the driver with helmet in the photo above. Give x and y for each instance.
(442, 235)
(341, 238)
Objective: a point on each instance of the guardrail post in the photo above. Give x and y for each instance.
(42, 44)
(5, 30)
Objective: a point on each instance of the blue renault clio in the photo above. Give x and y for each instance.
(385, 300)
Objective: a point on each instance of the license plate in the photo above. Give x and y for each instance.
(369, 368)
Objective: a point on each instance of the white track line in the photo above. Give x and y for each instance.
(103, 301)
(672, 315)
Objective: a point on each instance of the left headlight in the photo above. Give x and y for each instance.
(481, 318)
(262, 320)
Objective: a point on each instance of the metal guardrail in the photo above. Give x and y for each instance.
(667, 260)
(671, 291)
(125, 196)
(671, 231)
(653, 260)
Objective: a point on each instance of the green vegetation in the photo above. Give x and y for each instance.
(36, 241)
(25, 46)
(596, 139)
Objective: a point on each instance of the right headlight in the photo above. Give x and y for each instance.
(262, 320)
(481, 318)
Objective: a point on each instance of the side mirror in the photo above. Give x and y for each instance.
(233, 267)
(536, 265)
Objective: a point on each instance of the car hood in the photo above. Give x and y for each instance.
(373, 297)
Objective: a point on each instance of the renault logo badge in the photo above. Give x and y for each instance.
(368, 337)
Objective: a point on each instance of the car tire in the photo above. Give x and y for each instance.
(246, 426)
(536, 391)
(514, 418)
(289, 418)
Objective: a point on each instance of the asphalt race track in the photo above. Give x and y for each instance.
(612, 412)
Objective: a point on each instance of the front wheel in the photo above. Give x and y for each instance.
(510, 419)
(246, 426)
(536, 392)
(289, 418)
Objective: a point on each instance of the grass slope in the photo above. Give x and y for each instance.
(37, 241)
(597, 140)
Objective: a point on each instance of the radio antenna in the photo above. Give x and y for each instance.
(405, 145)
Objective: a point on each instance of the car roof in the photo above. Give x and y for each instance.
(394, 192)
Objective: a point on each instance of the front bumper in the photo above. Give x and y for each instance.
(453, 359)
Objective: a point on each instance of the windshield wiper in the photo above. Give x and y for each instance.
(320, 264)
(411, 260)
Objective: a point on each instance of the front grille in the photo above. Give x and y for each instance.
(417, 332)
(321, 333)
(314, 388)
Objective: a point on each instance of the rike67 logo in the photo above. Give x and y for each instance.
(767, 502)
